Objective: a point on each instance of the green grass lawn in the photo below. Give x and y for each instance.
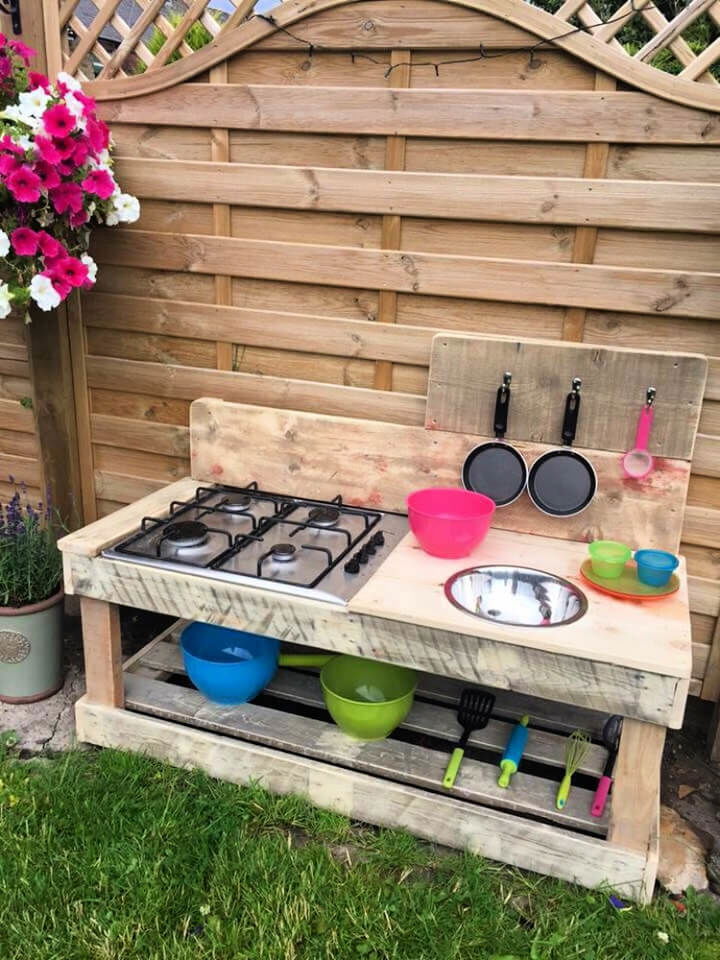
(108, 856)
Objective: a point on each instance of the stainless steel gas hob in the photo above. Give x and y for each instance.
(321, 549)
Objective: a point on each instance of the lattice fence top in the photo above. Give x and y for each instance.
(108, 38)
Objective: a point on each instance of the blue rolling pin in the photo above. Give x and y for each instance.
(513, 752)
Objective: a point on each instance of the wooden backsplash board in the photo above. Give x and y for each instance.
(377, 464)
(466, 371)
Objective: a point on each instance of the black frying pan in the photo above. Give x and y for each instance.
(495, 468)
(563, 482)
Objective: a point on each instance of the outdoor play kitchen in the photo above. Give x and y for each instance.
(395, 389)
(476, 629)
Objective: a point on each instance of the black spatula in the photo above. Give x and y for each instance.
(473, 714)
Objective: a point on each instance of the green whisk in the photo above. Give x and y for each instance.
(576, 750)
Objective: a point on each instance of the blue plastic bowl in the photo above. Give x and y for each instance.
(655, 567)
(228, 666)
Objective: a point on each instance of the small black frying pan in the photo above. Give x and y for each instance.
(562, 482)
(496, 468)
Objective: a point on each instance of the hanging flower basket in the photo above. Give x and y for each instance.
(56, 182)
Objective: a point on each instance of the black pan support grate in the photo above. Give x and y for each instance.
(282, 507)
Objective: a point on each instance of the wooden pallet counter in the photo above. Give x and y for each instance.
(633, 660)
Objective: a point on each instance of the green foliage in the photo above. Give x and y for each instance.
(109, 856)
(196, 37)
(30, 562)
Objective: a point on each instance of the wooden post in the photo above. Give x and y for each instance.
(54, 408)
(103, 656)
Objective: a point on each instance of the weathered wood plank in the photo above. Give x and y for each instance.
(465, 373)
(389, 759)
(587, 202)
(515, 115)
(597, 683)
(425, 718)
(187, 383)
(383, 463)
(103, 655)
(446, 820)
(666, 292)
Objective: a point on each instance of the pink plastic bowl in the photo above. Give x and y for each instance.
(448, 521)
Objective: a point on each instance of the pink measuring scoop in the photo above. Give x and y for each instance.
(638, 462)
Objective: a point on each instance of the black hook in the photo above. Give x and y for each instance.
(650, 396)
(12, 9)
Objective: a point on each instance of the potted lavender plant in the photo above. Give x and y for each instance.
(31, 608)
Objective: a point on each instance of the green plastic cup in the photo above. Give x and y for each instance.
(367, 699)
(608, 558)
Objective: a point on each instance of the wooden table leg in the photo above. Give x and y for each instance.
(635, 815)
(103, 657)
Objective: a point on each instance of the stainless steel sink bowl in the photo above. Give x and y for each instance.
(516, 596)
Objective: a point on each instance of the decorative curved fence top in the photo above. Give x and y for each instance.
(131, 47)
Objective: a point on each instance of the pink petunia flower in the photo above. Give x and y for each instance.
(65, 146)
(70, 270)
(98, 134)
(7, 143)
(23, 50)
(87, 102)
(80, 153)
(5, 68)
(36, 79)
(58, 121)
(24, 184)
(62, 286)
(100, 183)
(68, 196)
(79, 218)
(49, 247)
(47, 150)
(24, 241)
(8, 163)
(49, 177)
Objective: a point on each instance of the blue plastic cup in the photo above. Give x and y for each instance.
(655, 567)
(228, 666)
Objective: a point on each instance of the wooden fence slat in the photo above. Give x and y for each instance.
(261, 328)
(575, 285)
(483, 114)
(168, 380)
(628, 204)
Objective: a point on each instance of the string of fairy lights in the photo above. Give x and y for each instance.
(482, 54)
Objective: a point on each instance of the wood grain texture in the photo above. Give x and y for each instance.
(514, 115)
(426, 718)
(390, 759)
(103, 655)
(382, 463)
(595, 683)
(465, 373)
(627, 204)
(666, 292)
(446, 820)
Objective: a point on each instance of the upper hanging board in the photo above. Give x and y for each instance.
(465, 372)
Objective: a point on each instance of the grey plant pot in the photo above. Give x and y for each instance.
(31, 644)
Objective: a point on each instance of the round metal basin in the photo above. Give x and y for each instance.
(516, 596)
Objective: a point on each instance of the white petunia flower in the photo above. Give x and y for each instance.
(12, 112)
(70, 82)
(4, 244)
(43, 292)
(91, 265)
(127, 207)
(34, 102)
(24, 141)
(5, 298)
(112, 219)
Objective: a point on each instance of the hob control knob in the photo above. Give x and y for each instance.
(362, 555)
(378, 539)
(353, 565)
(370, 548)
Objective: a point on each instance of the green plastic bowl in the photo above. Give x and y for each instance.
(608, 558)
(367, 699)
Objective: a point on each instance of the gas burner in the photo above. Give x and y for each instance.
(186, 533)
(237, 503)
(283, 552)
(324, 516)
